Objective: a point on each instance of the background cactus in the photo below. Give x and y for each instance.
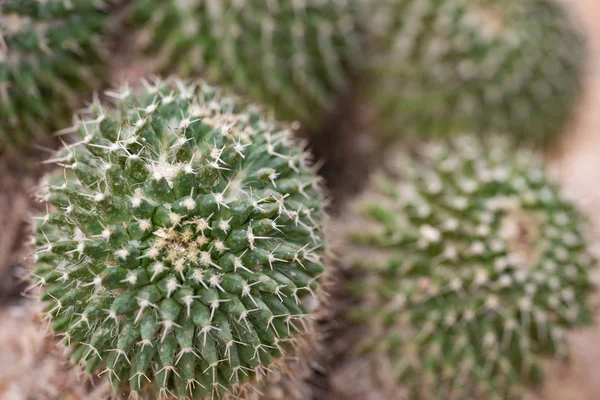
(186, 233)
(49, 53)
(29, 352)
(474, 265)
(292, 55)
(468, 65)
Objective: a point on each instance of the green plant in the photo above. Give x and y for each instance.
(49, 54)
(292, 55)
(474, 267)
(185, 236)
(460, 66)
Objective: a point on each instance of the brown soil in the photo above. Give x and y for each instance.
(19, 174)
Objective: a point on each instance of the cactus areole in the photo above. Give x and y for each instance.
(476, 265)
(182, 240)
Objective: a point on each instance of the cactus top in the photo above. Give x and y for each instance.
(49, 52)
(475, 265)
(292, 55)
(185, 236)
(451, 66)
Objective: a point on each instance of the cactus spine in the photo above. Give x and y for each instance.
(185, 237)
(475, 266)
(477, 65)
(291, 55)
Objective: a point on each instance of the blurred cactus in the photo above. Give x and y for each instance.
(185, 236)
(49, 54)
(474, 266)
(292, 55)
(33, 367)
(476, 65)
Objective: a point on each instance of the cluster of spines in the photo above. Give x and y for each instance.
(475, 265)
(50, 53)
(186, 236)
(292, 55)
(480, 66)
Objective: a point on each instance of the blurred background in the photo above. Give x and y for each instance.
(32, 368)
(576, 164)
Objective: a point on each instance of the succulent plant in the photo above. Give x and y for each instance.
(476, 65)
(292, 55)
(474, 266)
(49, 54)
(31, 353)
(184, 242)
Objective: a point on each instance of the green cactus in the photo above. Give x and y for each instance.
(291, 55)
(186, 236)
(49, 54)
(476, 66)
(475, 265)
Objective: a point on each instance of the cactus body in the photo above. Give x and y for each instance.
(291, 55)
(475, 267)
(49, 53)
(468, 65)
(187, 234)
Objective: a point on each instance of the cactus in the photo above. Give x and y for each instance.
(475, 265)
(292, 55)
(31, 353)
(479, 66)
(49, 53)
(184, 243)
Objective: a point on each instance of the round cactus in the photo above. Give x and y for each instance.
(469, 65)
(475, 265)
(185, 241)
(292, 55)
(49, 53)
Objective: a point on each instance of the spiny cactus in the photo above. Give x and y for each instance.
(292, 55)
(185, 237)
(477, 65)
(49, 53)
(37, 368)
(475, 265)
